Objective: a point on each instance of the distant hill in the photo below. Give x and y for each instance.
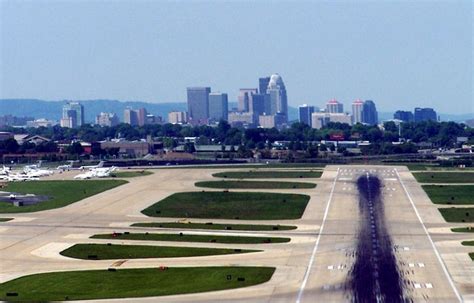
(53, 109)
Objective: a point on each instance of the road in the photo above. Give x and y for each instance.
(314, 266)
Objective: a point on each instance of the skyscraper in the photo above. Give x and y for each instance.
(74, 111)
(141, 116)
(277, 94)
(405, 116)
(357, 107)
(369, 113)
(333, 107)
(245, 97)
(107, 119)
(218, 106)
(198, 104)
(425, 114)
(305, 112)
(257, 104)
(263, 85)
(130, 116)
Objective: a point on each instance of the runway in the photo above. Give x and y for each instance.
(314, 267)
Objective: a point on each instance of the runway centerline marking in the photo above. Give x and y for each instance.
(443, 266)
(315, 248)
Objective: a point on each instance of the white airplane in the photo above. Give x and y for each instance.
(5, 171)
(36, 172)
(20, 177)
(101, 164)
(66, 166)
(101, 172)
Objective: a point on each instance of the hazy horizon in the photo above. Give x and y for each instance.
(399, 54)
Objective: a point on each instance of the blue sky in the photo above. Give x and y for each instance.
(400, 54)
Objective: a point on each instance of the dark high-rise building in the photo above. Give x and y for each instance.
(263, 85)
(369, 113)
(257, 104)
(425, 114)
(305, 113)
(198, 104)
(130, 116)
(75, 111)
(218, 106)
(405, 116)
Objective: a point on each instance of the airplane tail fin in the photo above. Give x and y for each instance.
(101, 164)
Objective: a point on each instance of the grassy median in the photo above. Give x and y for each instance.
(268, 174)
(230, 205)
(118, 251)
(182, 237)
(215, 226)
(445, 177)
(130, 283)
(463, 230)
(255, 184)
(131, 174)
(464, 214)
(60, 193)
(450, 194)
(5, 219)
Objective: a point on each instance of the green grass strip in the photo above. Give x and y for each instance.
(468, 243)
(117, 251)
(131, 283)
(230, 205)
(450, 194)
(268, 174)
(444, 177)
(463, 229)
(458, 214)
(215, 226)
(5, 219)
(181, 237)
(61, 193)
(255, 184)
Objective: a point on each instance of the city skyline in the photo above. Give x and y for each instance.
(140, 57)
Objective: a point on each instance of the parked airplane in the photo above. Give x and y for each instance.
(5, 171)
(66, 166)
(100, 172)
(101, 164)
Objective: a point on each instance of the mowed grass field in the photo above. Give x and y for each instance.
(60, 193)
(230, 205)
(463, 229)
(450, 194)
(119, 251)
(268, 174)
(182, 237)
(255, 184)
(131, 174)
(131, 283)
(465, 214)
(215, 226)
(444, 177)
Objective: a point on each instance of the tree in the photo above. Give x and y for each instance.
(75, 148)
(189, 147)
(169, 143)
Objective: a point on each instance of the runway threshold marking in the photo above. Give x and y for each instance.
(315, 248)
(443, 266)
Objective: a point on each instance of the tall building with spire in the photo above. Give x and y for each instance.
(334, 107)
(357, 107)
(278, 101)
